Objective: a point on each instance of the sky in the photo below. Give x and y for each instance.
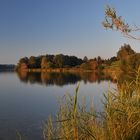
(72, 27)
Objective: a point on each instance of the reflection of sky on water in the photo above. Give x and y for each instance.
(24, 106)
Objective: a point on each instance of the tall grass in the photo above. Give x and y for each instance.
(120, 119)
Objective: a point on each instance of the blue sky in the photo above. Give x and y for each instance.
(73, 27)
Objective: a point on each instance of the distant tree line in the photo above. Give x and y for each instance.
(49, 61)
(98, 63)
(6, 67)
(126, 57)
(64, 61)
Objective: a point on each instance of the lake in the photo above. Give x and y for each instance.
(27, 99)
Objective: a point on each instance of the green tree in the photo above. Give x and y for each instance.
(124, 52)
(24, 60)
(124, 65)
(49, 57)
(38, 61)
(32, 62)
(99, 60)
(59, 60)
(134, 62)
(113, 59)
(50, 65)
(85, 59)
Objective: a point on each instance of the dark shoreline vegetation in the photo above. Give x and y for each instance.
(126, 61)
(7, 67)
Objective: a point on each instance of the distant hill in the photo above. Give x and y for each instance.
(7, 67)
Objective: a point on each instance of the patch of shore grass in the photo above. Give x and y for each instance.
(120, 119)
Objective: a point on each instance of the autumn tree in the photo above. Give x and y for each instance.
(59, 60)
(134, 62)
(23, 63)
(44, 62)
(125, 51)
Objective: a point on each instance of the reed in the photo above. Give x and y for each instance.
(120, 119)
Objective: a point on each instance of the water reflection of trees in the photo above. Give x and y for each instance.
(61, 79)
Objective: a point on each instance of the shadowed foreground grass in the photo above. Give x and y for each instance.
(119, 121)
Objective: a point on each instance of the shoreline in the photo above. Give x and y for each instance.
(107, 71)
(56, 70)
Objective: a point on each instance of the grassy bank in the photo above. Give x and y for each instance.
(120, 119)
(113, 70)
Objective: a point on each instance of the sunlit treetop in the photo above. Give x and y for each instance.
(115, 22)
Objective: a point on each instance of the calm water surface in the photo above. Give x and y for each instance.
(27, 99)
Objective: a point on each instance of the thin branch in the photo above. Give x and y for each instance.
(131, 36)
(114, 22)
